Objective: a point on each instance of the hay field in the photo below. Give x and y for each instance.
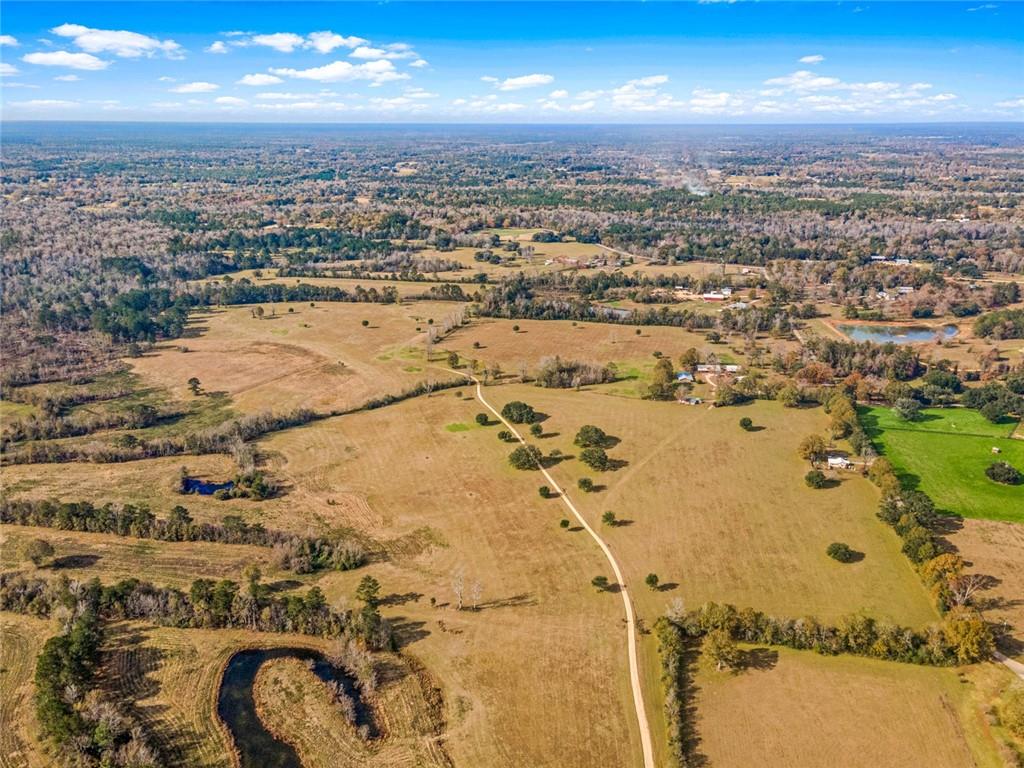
(996, 548)
(800, 709)
(600, 343)
(79, 555)
(294, 705)
(21, 640)
(725, 513)
(318, 357)
(447, 502)
(173, 675)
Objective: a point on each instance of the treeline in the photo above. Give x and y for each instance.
(306, 243)
(302, 554)
(1003, 324)
(672, 652)
(962, 638)
(890, 361)
(208, 604)
(515, 299)
(34, 427)
(223, 438)
(86, 729)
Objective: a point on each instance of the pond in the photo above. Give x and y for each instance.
(257, 747)
(896, 334)
(192, 485)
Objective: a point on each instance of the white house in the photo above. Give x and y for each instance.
(838, 462)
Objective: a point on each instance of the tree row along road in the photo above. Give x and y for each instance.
(634, 668)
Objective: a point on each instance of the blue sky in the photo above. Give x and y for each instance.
(634, 62)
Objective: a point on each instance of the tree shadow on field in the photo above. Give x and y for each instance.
(400, 598)
(127, 666)
(616, 464)
(283, 585)
(408, 631)
(758, 659)
(74, 561)
(668, 586)
(513, 601)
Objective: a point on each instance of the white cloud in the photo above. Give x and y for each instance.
(420, 93)
(283, 96)
(815, 59)
(167, 104)
(66, 59)
(525, 81)
(419, 63)
(230, 101)
(707, 102)
(45, 103)
(802, 80)
(327, 41)
(649, 82)
(7, 69)
(985, 7)
(559, 94)
(118, 42)
(1017, 103)
(259, 79)
(197, 87)
(585, 106)
(304, 106)
(377, 72)
(285, 42)
(588, 95)
(392, 51)
(643, 95)
(167, 79)
(489, 79)
(8, 40)
(68, 78)
(217, 47)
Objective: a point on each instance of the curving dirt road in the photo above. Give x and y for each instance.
(634, 668)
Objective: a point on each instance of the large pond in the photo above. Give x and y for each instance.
(896, 334)
(257, 747)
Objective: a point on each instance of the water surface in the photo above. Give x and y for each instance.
(896, 334)
(257, 747)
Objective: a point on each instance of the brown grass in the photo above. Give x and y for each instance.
(84, 555)
(859, 713)
(21, 639)
(294, 705)
(996, 549)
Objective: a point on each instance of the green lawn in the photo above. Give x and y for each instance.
(945, 454)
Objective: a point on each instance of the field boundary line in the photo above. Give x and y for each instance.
(646, 741)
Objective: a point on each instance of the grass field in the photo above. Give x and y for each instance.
(945, 454)
(318, 357)
(21, 639)
(172, 676)
(802, 709)
(996, 548)
(84, 555)
(538, 675)
(724, 513)
(294, 705)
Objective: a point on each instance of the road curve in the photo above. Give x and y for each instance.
(634, 667)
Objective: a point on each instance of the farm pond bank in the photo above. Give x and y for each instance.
(257, 747)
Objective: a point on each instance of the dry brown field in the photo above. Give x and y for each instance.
(21, 640)
(111, 558)
(996, 549)
(318, 357)
(803, 709)
(537, 675)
